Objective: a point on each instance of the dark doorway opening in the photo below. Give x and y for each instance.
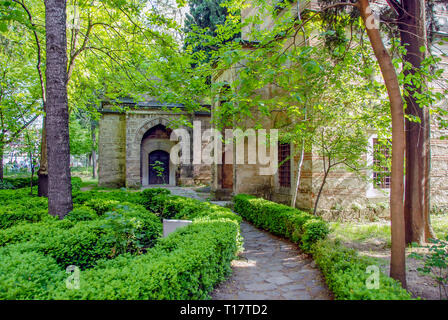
(159, 167)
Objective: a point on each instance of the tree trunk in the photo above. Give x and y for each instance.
(1, 161)
(299, 173)
(57, 118)
(32, 173)
(93, 153)
(416, 205)
(42, 173)
(398, 255)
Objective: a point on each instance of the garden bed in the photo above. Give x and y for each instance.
(116, 243)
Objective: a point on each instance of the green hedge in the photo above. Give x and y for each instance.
(17, 183)
(298, 226)
(168, 206)
(116, 242)
(185, 265)
(345, 274)
(27, 275)
(344, 270)
(31, 209)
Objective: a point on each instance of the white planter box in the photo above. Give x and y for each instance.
(170, 225)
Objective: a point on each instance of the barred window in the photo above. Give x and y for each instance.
(381, 157)
(284, 171)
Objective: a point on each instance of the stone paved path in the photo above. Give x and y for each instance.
(271, 268)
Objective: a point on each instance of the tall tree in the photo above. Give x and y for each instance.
(411, 25)
(288, 28)
(57, 117)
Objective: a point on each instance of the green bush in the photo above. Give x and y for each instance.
(298, 226)
(27, 275)
(176, 207)
(76, 184)
(101, 206)
(112, 233)
(132, 228)
(82, 213)
(185, 265)
(8, 196)
(5, 185)
(346, 274)
(120, 196)
(15, 211)
(17, 183)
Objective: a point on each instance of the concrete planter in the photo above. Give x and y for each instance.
(170, 225)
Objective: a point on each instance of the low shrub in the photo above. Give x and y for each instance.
(101, 206)
(8, 196)
(117, 244)
(76, 184)
(298, 226)
(85, 242)
(5, 185)
(27, 275)
(30, 209)
(185, 265)
(119, 195)
(176, 207)
(82, 213)
(17, 183)
(346, 274)
(132, 228)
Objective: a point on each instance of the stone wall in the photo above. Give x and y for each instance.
(112, 150)
(120, 148)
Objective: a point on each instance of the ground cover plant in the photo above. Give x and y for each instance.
(115, 243)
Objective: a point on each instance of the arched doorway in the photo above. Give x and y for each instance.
(159, 167)
(155, 164)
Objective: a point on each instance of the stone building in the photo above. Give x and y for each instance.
(343, 189)
(135, 137)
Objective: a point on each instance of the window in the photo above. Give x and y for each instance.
(381, 173)
(284, 171)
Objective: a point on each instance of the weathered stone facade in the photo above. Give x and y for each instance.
(343, 189)
(124, 150)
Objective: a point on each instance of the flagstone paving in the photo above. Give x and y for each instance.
(271, 268)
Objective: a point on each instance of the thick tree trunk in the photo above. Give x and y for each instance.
(57, 118)
(398, 256)
(416, 206)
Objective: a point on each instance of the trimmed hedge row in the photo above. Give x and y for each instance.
(18, 210)
(344, 270)
(346, 274)
(298, 226)
(126, 228)
(167, 206)
(115, 241)
(185, 265)
(18, 183)
(27, 275)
